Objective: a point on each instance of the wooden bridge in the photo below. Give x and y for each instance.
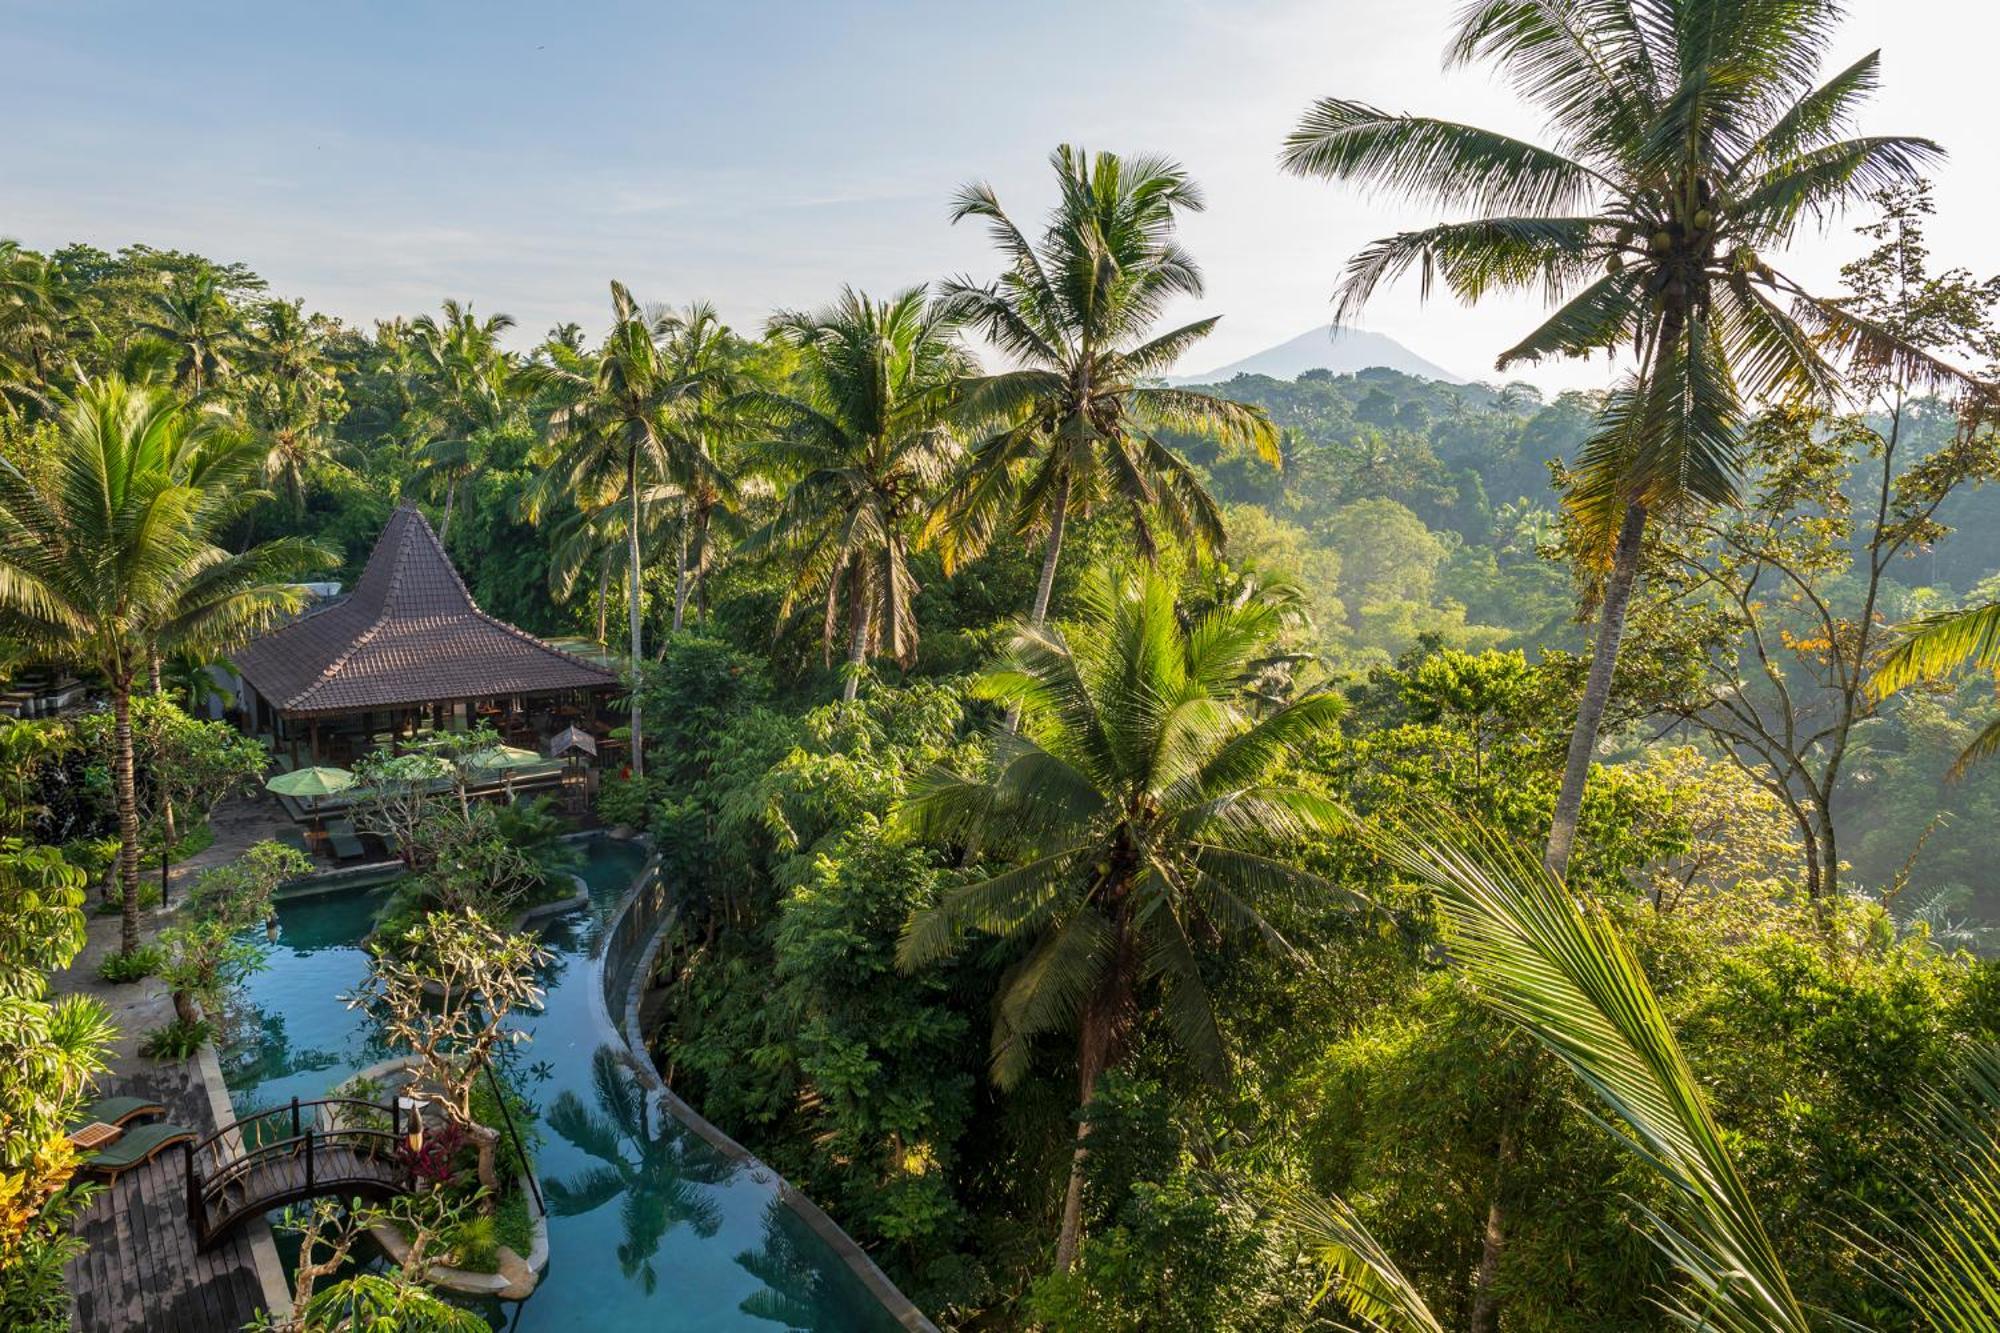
(341, 1147)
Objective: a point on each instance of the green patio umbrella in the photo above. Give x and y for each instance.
(311, 782)
(503, 757)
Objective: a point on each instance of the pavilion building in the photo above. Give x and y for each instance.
(408, 649)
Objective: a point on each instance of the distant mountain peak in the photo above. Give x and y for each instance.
(1340, 350)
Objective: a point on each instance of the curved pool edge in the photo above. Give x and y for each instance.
(631, 940)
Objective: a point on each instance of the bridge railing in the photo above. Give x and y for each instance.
(327, 1136)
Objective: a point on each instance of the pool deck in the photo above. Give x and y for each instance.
(141, 1271)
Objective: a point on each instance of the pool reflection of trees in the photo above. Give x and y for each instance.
(660, 1172)
(807, 1288)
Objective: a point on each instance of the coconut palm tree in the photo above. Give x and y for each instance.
(1560, 969)
(865, 443)
(291, 396)
(193, 315)
(1079, 423)
(661, 1173)
(1138, 816)
(615, 417)
(461, 391)
(590, 541)
(38, 314)
(706, 356)
(1690, 143)
(109, 557)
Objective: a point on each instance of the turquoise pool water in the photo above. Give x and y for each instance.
(649, 1227)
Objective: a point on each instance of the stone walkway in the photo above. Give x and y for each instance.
(238, 821)
(141, 1271)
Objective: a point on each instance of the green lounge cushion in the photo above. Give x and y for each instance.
(137, 1145)
(116, 1111)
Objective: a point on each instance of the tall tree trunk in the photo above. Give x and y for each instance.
(1093, 1053)
(1053, 553)
(450, 500)
(632, 551)
(1485, 1311)
(128, 812)
(857, 638)
(698, 565)
(681, 574)
(1596, 689)
(153, 671)
(603, 597)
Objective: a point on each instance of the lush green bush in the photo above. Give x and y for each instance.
(624, 802)
(177, 1040)
(124, 968)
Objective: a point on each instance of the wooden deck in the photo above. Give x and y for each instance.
(143, 1270)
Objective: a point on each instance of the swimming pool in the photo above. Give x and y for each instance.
(649, 1226)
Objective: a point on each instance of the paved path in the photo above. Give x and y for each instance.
(141, 1273)
(238, 821)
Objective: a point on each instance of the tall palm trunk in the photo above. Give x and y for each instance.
(1046, 585)
(1596, 689)
(1093, 1055)
(698, 564)
(603, 596)
(857, 639)
(127, 799)
(632, 552)
(450, 500)
(1485, 1312)
(681, 573)
(1053, 553)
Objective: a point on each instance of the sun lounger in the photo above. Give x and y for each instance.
(346, 844)
(117, 1111)
(135, 1147)
(294, 839)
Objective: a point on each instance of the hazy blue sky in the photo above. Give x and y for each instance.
(376, 157)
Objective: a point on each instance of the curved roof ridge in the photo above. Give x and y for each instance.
(382, 612)
(409, 632)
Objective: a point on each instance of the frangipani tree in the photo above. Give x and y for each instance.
(443, 992)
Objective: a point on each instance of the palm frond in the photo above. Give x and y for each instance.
(1946, 1263)
(1559, 968)
(1823, 180)
(1938, 645)
(1360, 1273)
(1420, 158)
(1476, 259)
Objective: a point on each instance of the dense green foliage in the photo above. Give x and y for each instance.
(1036, 916)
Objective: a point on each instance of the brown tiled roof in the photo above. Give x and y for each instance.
(409, 633)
